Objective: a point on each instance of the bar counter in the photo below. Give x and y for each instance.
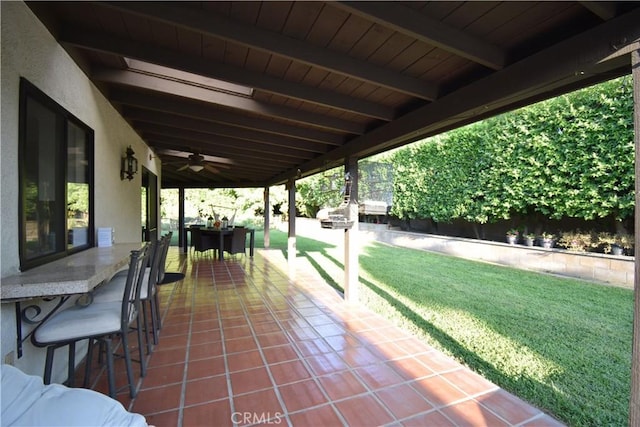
(74, 274)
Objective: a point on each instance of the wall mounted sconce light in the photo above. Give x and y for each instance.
(129, 165)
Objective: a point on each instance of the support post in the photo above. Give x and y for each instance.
(292, 249)
(267, 216)
(634, 404)
(182, 236)
(351, 241)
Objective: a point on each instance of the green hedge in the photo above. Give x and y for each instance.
(571, 156)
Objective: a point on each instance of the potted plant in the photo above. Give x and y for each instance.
(512, 236)
(547, 239)
(626, 242)
(529, 238)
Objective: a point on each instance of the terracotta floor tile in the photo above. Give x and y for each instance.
(162, 357)
(329, 330)
(176, 329)
(301, 395)
(273, 339)
(472, 413)
(205, 325)
(237, 332)
(240, 344)
(508, 406)
(363, 411)
(320, 416)
(204, 337)
(342, 385)
(262, 404)
(205, 351)
(358, 357)
(379, 376)
(411, 368)
(175, 341)
(438, 391)
(266, 327)
(403, 401)
(543, 421)
(205, 390)
(250, 380)
(205, 368)
(158, 399)
(244, 360)
(213, 413)
(289, 372)
(469, 382)
(438, 362)
(433, 418)
(281, 353)
(163, 375)
(342, 342)
(313, 348)
(324, 364)
(169, 418)
(302, 334)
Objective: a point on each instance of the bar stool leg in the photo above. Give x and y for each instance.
(48, 364)
(71, 366)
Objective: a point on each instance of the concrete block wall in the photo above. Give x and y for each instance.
(610, 269)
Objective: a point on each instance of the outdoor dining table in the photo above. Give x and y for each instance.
(220, 233)
(75, 274)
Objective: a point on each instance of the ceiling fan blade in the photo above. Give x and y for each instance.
(211, 168)
(182, 168)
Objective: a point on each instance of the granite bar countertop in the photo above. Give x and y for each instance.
(75, 274)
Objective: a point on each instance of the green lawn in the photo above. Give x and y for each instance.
(562, 344)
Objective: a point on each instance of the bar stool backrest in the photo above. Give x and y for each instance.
(131, 298)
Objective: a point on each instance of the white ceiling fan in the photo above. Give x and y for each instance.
(196, 162)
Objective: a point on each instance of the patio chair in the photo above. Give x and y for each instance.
(203, 242)
(99, 322)
(113, 290)
(236, 242)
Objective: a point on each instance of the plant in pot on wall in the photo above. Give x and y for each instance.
(529, 238)
(626, 242)
(512, 236)
(546, 239)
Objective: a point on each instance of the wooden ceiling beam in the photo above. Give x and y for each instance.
(171, 87)
(271, 42)
(181, 61)
(215, 142)
(185, 108)
(431, 31)
(164, 119)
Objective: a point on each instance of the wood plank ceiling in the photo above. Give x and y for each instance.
(268, 91)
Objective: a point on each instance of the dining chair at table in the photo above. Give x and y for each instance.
(99, 322)
(236, 242)
(202, 241)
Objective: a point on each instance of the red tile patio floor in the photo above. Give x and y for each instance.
(241, 344)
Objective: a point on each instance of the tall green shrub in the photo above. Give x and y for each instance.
(571, 156)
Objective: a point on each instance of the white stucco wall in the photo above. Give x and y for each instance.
(28, 50)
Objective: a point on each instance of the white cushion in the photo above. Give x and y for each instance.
(78, 322)
(113, 290)
(26, 401)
